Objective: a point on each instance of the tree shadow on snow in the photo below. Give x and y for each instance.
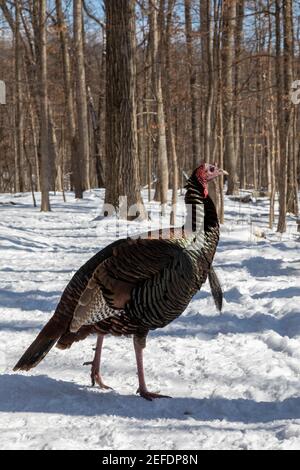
(198, 325)
(262, 267)
(29, 300)
(15, 326)
(41, 394)
(288, 292)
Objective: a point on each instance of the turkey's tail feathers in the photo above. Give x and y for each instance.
(40, 347)
(216, 288)
(67, 339)
(34, 354)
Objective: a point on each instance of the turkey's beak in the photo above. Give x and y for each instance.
(223, 172)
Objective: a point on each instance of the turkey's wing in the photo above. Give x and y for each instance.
(159, 300)
(110, 287)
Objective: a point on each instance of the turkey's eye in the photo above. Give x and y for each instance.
(211, 169)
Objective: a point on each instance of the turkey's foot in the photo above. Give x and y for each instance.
(96, 377)
(144, 393)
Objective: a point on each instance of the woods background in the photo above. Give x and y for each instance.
(126, 94)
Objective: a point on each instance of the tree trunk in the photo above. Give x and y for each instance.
(43, 98)
(96, 141)
(237, 81)
(156, 46)
(81, 95)
(69, 104)
(206, 29)
(121, 124)
(292, 184)
(230, 157)
(171, 134)
(206, 25)
(55, 160)
(19, 117)
(284, 108)
(193, 85)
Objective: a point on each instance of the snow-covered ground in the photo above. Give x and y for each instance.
(234, 377)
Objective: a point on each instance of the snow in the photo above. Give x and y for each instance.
(234, 377)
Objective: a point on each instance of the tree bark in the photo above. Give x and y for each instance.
(292, 183)
(284, 108)
(43, 98)
(156, 47)
(237, 83)
(96, 140)
(230, 157)
(19, 117)
(81, 95)
(121, 124)
(69, 104)
(171, 133)
(193, 85)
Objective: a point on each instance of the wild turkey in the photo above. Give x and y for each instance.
(136, 285)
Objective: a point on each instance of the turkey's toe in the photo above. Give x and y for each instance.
(97, 379)
(150, 395)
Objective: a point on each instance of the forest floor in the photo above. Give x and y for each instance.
(234, 377)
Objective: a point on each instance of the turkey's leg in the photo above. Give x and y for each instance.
(95, 371)
(139, 345)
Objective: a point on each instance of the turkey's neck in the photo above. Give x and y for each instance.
(202, 226)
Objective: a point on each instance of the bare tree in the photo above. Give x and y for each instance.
(170, 119)
(292, 183)
(81, 94)
(284, 108)
(121, 125)
(193, 84)
(69, 102)
(19, 117)
(43, 100)
(156, 10)
(230, 157)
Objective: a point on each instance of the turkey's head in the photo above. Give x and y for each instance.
(205, 173)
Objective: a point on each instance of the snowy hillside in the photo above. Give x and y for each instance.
(234, 377)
